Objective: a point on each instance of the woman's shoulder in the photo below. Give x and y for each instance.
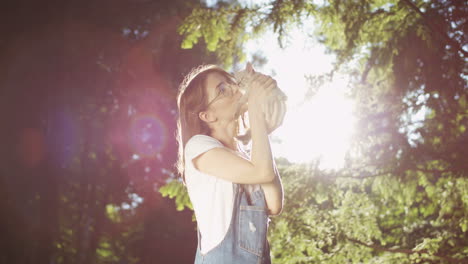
(201, 140)
(199, 143)
(202, 137)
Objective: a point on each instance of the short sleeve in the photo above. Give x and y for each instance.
(199, 144)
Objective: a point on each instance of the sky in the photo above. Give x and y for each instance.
(317, 128)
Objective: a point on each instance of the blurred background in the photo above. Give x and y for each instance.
(373, 151)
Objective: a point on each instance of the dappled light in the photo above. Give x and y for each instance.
(147, 136)
(372, 152)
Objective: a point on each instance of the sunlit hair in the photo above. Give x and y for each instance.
(192, 98)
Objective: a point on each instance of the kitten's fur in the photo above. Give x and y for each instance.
(244, 78)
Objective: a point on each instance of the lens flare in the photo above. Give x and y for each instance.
(147, 135)
(63, 138)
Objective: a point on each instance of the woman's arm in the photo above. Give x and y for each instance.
(274, 194)
(274, 190)
(222, 163)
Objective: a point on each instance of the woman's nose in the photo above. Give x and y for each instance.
(238, 93)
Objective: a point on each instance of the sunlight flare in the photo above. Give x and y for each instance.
(319, 128)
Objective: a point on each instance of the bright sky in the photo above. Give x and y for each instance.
(317, 128)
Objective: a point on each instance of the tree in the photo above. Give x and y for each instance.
(330, 218)
(80, 80)
(404, 184)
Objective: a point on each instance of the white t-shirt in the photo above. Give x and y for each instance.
(211, 197)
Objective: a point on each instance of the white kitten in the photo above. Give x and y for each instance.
(245, 77)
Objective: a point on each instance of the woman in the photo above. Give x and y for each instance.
(232, 195)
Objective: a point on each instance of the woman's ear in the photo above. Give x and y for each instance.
(206, 117)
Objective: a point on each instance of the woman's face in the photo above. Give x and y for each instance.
(223, 97)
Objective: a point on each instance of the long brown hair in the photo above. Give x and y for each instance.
(192, 98)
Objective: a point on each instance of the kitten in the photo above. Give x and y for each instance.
(244, 78)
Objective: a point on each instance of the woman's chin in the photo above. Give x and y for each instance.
(242, 109)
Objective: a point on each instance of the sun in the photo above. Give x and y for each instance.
(319, 128)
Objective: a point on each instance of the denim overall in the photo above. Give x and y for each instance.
(246, 239)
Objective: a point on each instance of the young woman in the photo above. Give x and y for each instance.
(232, 194)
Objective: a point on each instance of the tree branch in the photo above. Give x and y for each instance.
(380, 248)
(434, 27)
(404, 251)
(361, 177)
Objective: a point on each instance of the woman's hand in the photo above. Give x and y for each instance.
(266, 99)
(261, 87)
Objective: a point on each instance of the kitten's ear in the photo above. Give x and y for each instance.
(249, 68)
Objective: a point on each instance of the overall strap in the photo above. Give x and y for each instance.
(199, 239)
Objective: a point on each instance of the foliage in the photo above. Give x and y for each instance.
(72, 73)
(225, 27)
(330, 218)
(177, 189)
(401, 198)
(75, 78)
